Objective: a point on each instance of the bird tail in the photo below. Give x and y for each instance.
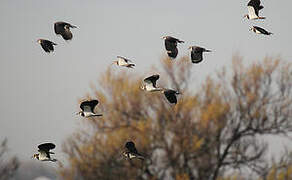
(97, 115)
(180, 41)
(72, 26)
(208, 50)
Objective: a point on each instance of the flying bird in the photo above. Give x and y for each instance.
(197, 53)
(122, 61)
(131, 151)
(44, 152)
(259, 30)
(48, 46)
(63, 29)
(149, 84)
(171, 46)
(87, 108)
(254, 6)
(171, 95)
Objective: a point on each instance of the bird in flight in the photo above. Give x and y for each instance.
(48, 46)
(197, 53)
(131, 151)
(171, 46)
(87, 108)
(124, 62)
(259, 30)
(254, 6)
(149, 84)
(63, 29)
(44, 152)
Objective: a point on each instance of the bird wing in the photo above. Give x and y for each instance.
(47, 45)
(67, 34)
(152, 80)
(172, 53)
(170, 45)
(252, 12)
(63, 29)
(254, 3)
(197, 55)
(59, 27)
(131, 147)
(261, 30)
(46, 147)
(125, 59)
(88, 104)
(170, 96)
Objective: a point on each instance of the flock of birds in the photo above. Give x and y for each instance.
(149, 83)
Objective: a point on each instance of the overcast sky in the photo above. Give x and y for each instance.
(40, 92)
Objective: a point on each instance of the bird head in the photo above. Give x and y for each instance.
(114, 62)
(80, 113)
(191, 47)
(246, 16)
(251, 29)
(143, 87)
(39, 41)
(35, 156)
(164, 37)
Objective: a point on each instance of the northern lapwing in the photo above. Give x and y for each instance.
(259, 30)
(254, 6)
(131, 151)
(149, 84)
(48, 46)
(87, 108)
(122, 61)
(197, 53)
(63, 29)
(171, 46)
(44, 152)
(171, 95)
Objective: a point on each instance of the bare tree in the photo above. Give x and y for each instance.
(214, 130)
(7, 167)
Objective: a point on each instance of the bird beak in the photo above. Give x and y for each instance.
(77, 113)
(162, 37)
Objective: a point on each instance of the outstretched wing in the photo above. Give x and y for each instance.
(90, 104)
(131, 147)
(152, 79)
(261, 30)
(46, 147)
(171, 96)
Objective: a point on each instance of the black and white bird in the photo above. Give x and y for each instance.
(254, 6)
(63, 29)
(87, 108)
(259, 30)
(171, 46)
(131, 151)
(197, 53)
(122, 61)
(48, 46)
(44, 152)
(149, 84)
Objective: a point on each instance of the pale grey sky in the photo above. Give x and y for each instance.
(39, 91)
